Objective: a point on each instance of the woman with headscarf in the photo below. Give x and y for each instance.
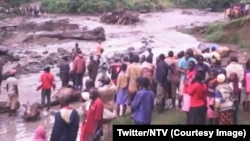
(224, 102)
(197, 90)
(234, 83)
(211, 84)
(189, 77)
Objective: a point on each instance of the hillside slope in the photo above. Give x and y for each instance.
(230, 32)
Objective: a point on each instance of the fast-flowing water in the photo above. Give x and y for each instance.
(158, 28)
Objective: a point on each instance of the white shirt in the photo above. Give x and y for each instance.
(11, 82)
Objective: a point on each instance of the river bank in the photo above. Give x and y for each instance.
(158, 29)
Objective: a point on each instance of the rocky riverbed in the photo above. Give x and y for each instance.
(157, 31)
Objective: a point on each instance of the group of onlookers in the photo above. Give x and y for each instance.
(196, 84)
(238, 10)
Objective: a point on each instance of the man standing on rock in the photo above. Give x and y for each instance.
(150, 55)
(65, 71)
(12, 90)
(79, 68)
(47, 82)
(93, 68)
(75, 51)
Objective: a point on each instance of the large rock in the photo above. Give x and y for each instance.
(53, 25)
(68, 90)
(94, 35)
(4, 107)
(121, 17)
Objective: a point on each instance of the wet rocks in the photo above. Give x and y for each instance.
(35, 55)
(95, 34)
(68, 90)
(53, 25)
(120, 17)
(32, 111)
(186, 12)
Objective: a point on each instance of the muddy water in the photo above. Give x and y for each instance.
(158, 28)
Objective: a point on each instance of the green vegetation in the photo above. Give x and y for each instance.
(100, 6)
(17, 3)
(174, 117)
(232, 32)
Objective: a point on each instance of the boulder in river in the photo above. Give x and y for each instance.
(52, 25)
(120, 17)
(4, 107)
(95, 34)
(186, 12)
(68, 90)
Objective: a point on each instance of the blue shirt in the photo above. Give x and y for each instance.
(142, 106)
(183, 64)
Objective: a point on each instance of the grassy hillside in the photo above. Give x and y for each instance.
(232, 32)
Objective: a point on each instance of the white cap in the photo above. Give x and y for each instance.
(85, 96)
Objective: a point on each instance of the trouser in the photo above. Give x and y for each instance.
(235, 112)
(172, 87)
(78, 81)
(13, 99)
(160, 97)
(140, 123)
(46, 95)
(65, 79)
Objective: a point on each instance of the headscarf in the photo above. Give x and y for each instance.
(235, 84)
(40, 134)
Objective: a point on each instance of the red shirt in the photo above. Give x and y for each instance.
(95, 114)
(197, 92)
(47, 80)
(79, 64)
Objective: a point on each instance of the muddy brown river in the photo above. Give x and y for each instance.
(158, 28)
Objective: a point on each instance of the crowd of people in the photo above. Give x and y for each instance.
(238, 10)
(194, 83)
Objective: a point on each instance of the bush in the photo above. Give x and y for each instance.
(100, 6)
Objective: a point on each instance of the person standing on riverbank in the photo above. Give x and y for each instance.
(92, 68)
(246, 85)
(65, 71)
(122, 98)
(235, 67)
(66, 122)
(12, 91)
(46, 83)
(134, 70)
(150, 55)
(79, 68)
(183, 67)
(161, 74)
(75, 51)
(91, 129)
(114, 70)
(143, 104)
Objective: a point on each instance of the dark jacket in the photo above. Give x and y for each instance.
(65, 127)
(161, 73)
(64, 71)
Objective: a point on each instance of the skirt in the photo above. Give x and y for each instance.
(211, 113)
(226, 117)
(122, 97)
(196, 115)
(186, 102)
